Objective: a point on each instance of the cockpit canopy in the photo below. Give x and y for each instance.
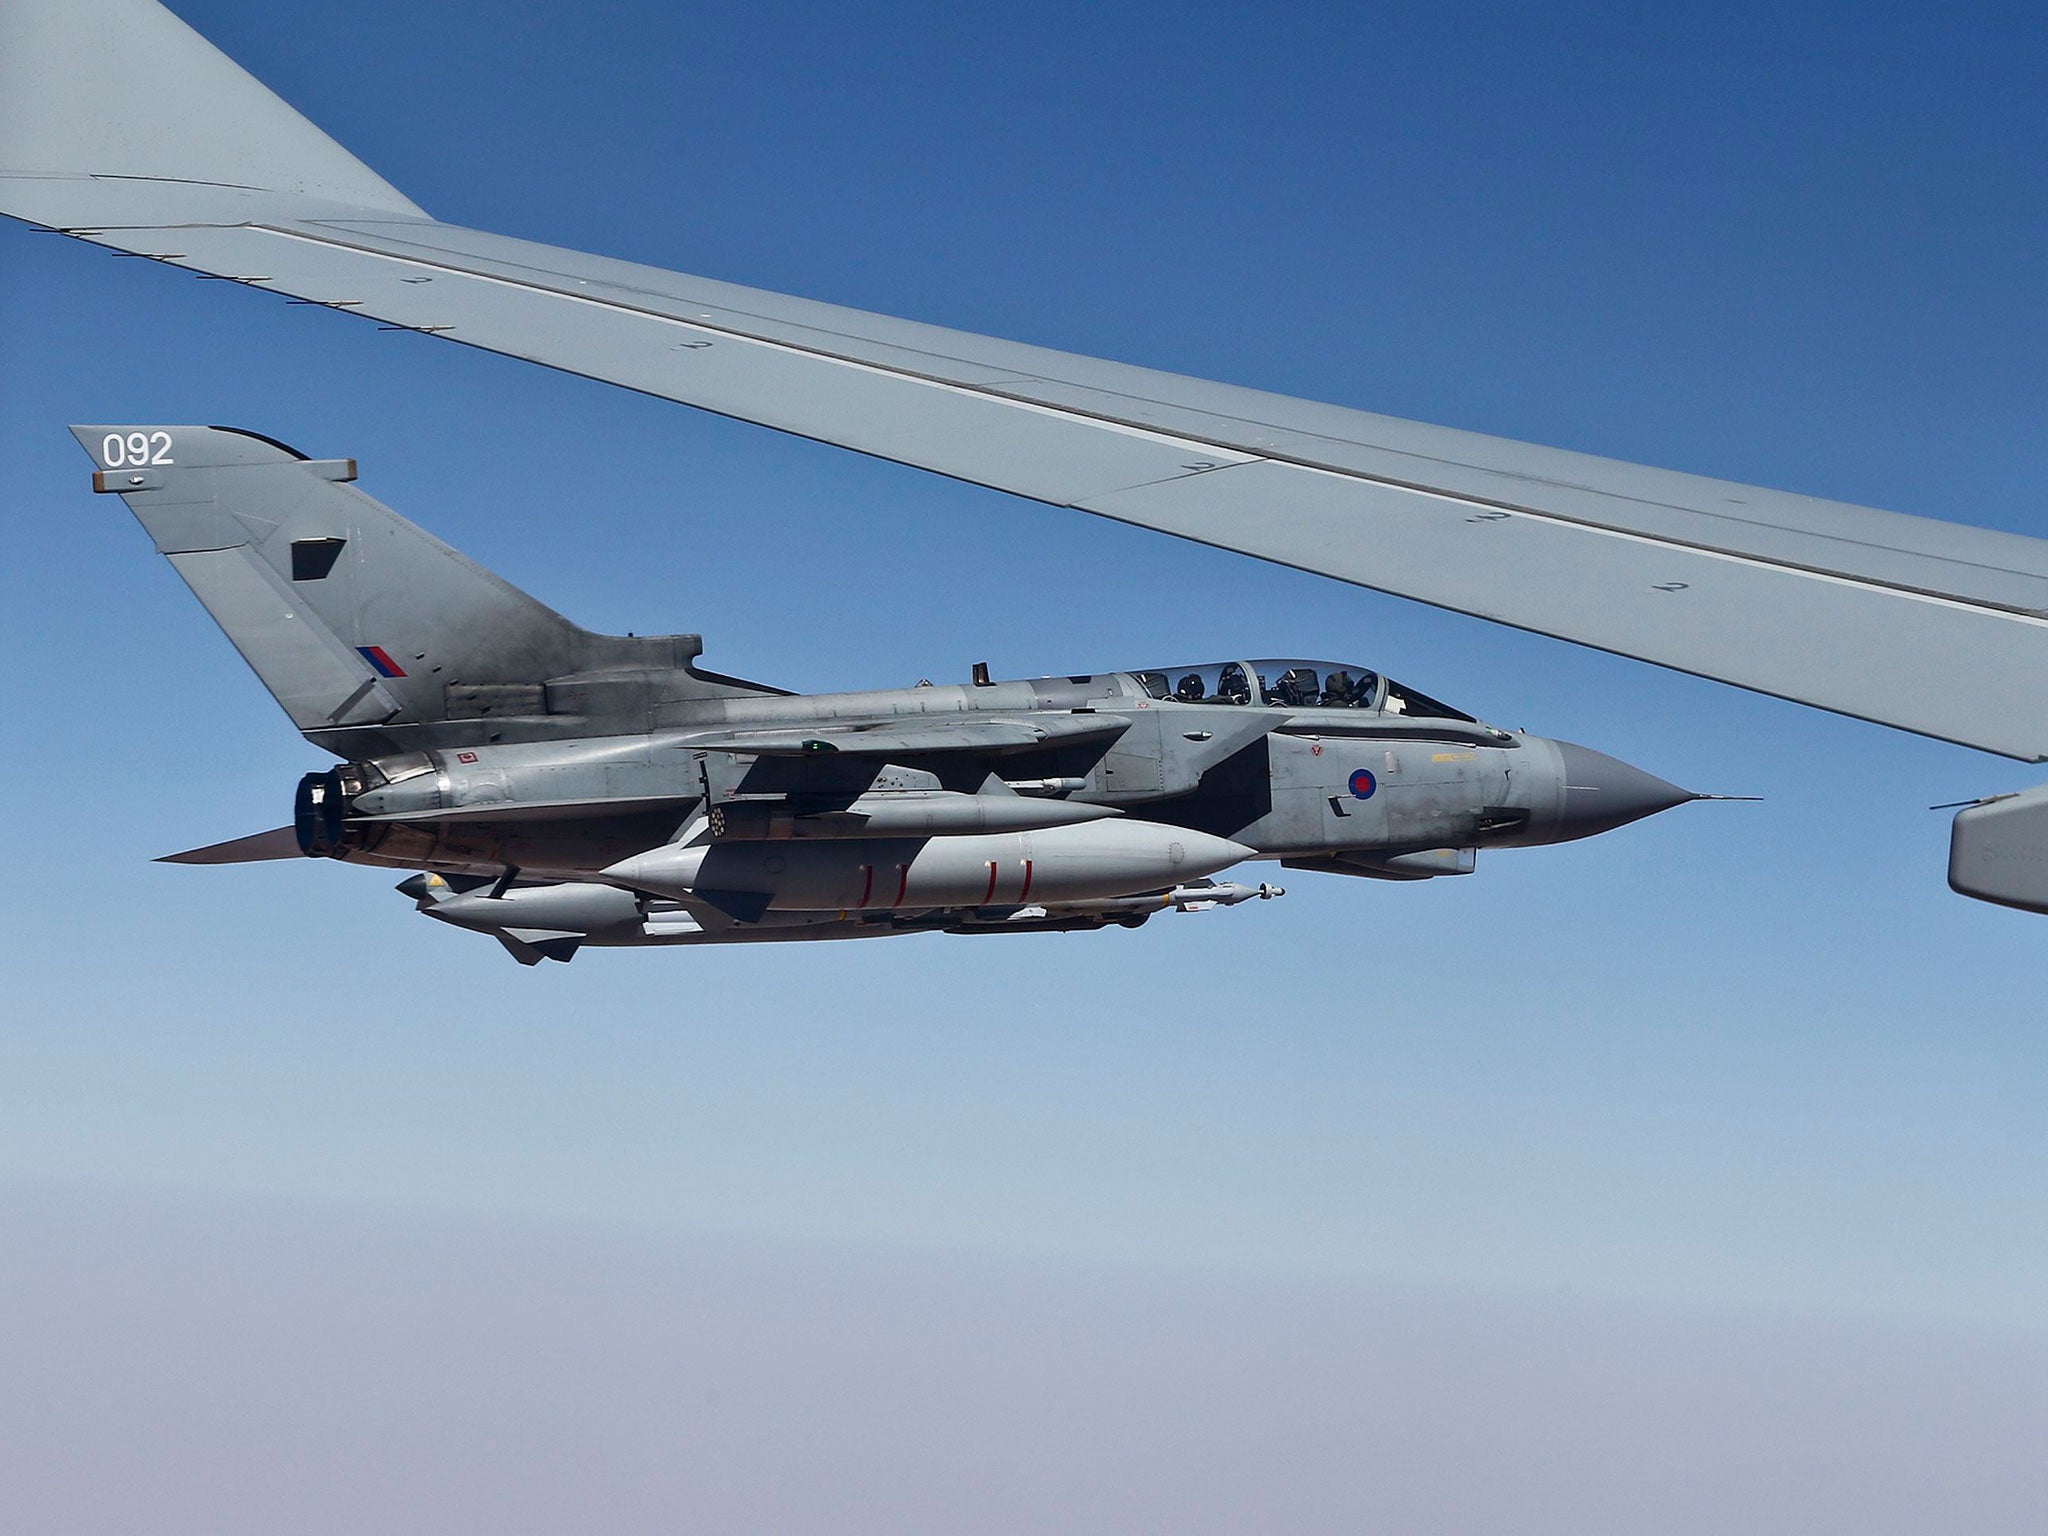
(1291, 684)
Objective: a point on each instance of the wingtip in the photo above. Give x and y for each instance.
(94, 88)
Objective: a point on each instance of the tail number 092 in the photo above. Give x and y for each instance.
(135, 448)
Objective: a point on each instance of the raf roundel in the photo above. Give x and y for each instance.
(1363, 784)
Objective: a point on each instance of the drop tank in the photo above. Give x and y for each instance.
(1095, 860)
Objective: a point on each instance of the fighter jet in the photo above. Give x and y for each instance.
(121, 126)
(556, 788)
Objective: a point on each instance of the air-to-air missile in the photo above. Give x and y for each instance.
(562, 788)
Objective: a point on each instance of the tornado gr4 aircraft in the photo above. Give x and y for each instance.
(121, 126)
(566, 788)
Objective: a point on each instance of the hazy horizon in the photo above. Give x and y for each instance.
(1689, 1178)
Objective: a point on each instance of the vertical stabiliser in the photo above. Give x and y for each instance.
(366, 628)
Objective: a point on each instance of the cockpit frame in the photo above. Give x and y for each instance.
(1290, 683)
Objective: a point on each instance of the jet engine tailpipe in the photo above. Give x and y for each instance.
(318, 815)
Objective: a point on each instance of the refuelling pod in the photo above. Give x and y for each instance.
(1998, 850)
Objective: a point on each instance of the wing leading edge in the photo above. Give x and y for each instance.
(1932, 627)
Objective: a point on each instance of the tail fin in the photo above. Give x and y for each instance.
(374, 635)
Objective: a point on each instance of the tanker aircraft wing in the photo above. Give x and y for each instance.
(121, 126)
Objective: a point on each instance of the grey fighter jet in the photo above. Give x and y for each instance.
(557, 788)
(121, 126)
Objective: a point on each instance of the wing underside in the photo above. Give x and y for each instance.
(1928, 626)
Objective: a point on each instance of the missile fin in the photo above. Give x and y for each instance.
(525, 954)
(740, 906)
(530, 946)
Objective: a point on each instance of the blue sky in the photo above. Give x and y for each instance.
(1747, 1060)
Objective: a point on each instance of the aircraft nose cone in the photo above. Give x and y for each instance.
(1601, 793)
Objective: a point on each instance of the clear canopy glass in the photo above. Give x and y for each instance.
(1286, 683)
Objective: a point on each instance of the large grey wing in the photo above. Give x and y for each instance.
(1928, 626)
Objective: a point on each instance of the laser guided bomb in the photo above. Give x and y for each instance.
(559, 788)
